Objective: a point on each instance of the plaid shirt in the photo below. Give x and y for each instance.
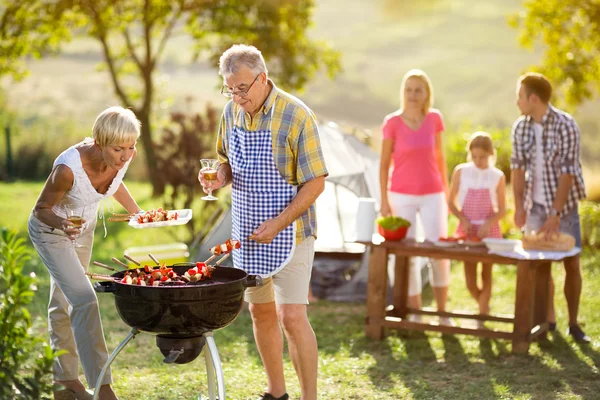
(296, 144)
(560, 141)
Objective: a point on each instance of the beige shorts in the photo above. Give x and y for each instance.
(290, 285)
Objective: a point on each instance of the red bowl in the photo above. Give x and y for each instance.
(397, 234)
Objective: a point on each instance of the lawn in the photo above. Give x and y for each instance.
(402, 366)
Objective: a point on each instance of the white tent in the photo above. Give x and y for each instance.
(353, 173)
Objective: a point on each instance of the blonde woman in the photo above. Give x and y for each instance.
(418, 183)
(84, 174)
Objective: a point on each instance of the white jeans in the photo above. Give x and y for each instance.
(73, 315)
(432, 213)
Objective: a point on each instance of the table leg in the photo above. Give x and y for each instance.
(400, 291)
(376, 292)
(523, 307)
(542, 291)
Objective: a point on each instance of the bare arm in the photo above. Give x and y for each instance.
(124, 198)
(518, 184)
(501, 196)
(57, 184)
(454, 185)
(307, 195)
(387, 148)
(441, 160)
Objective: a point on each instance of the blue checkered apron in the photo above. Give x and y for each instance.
(259, 193)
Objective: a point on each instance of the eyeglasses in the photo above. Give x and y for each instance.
(241, 93)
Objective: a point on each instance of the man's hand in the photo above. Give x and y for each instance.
(520, 217)
(213, 185)
(550, 227)
(267, 231)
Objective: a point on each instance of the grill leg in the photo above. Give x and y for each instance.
(112, 357)
(213, 367)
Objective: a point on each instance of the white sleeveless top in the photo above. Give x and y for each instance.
(82, 192)
(472, 177)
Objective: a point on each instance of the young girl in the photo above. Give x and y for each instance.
(477, 198)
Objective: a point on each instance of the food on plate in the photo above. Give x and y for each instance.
(227, 247)
(559, 242)
(450, 239)
(392, 223)
(156, 216)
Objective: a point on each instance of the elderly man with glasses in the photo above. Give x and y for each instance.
(269, 148)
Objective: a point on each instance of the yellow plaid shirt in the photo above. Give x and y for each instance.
(295, 141)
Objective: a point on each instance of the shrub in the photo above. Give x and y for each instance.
(184, 141)
(25, 360)
(589, 212)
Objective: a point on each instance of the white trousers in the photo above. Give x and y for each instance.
(431, 211)
(73, 315)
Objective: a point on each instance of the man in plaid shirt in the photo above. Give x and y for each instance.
(270, 152)
(547, 180)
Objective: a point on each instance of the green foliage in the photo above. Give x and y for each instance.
(186, 140)
(25, 360)
(392, 222)
(27, 30)
(590, 224)
(133, 36)
(570, 29)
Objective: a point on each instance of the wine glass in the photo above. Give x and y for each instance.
(75, 215)
(209, 168)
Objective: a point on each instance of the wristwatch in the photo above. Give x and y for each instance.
(554, 212)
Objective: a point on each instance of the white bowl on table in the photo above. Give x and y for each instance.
(503, 245)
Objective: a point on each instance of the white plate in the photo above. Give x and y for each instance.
(445, 244)
(502, 245)
(183, 216)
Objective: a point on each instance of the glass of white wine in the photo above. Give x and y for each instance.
(209, 168)
(75, 215)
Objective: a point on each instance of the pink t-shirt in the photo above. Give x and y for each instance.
(415, 168)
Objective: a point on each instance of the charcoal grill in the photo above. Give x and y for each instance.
(182, 317)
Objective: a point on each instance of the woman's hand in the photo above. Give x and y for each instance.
(69, 229)
(386, 211)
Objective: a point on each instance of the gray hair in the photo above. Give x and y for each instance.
(115, 125)
(240, 54)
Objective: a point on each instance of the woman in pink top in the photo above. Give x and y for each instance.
(417, 188)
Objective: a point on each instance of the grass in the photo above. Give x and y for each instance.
(351, 366)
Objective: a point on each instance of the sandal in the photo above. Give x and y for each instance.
(269, 396)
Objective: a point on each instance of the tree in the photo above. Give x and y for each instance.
(133, 35)
(571, 32)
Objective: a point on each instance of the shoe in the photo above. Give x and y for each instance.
(269, 396)
(68, 394)
(578, 335)
(551, 326)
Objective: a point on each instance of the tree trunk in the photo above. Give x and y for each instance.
(146, 133)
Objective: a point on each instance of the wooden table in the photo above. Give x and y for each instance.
(531, 300)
